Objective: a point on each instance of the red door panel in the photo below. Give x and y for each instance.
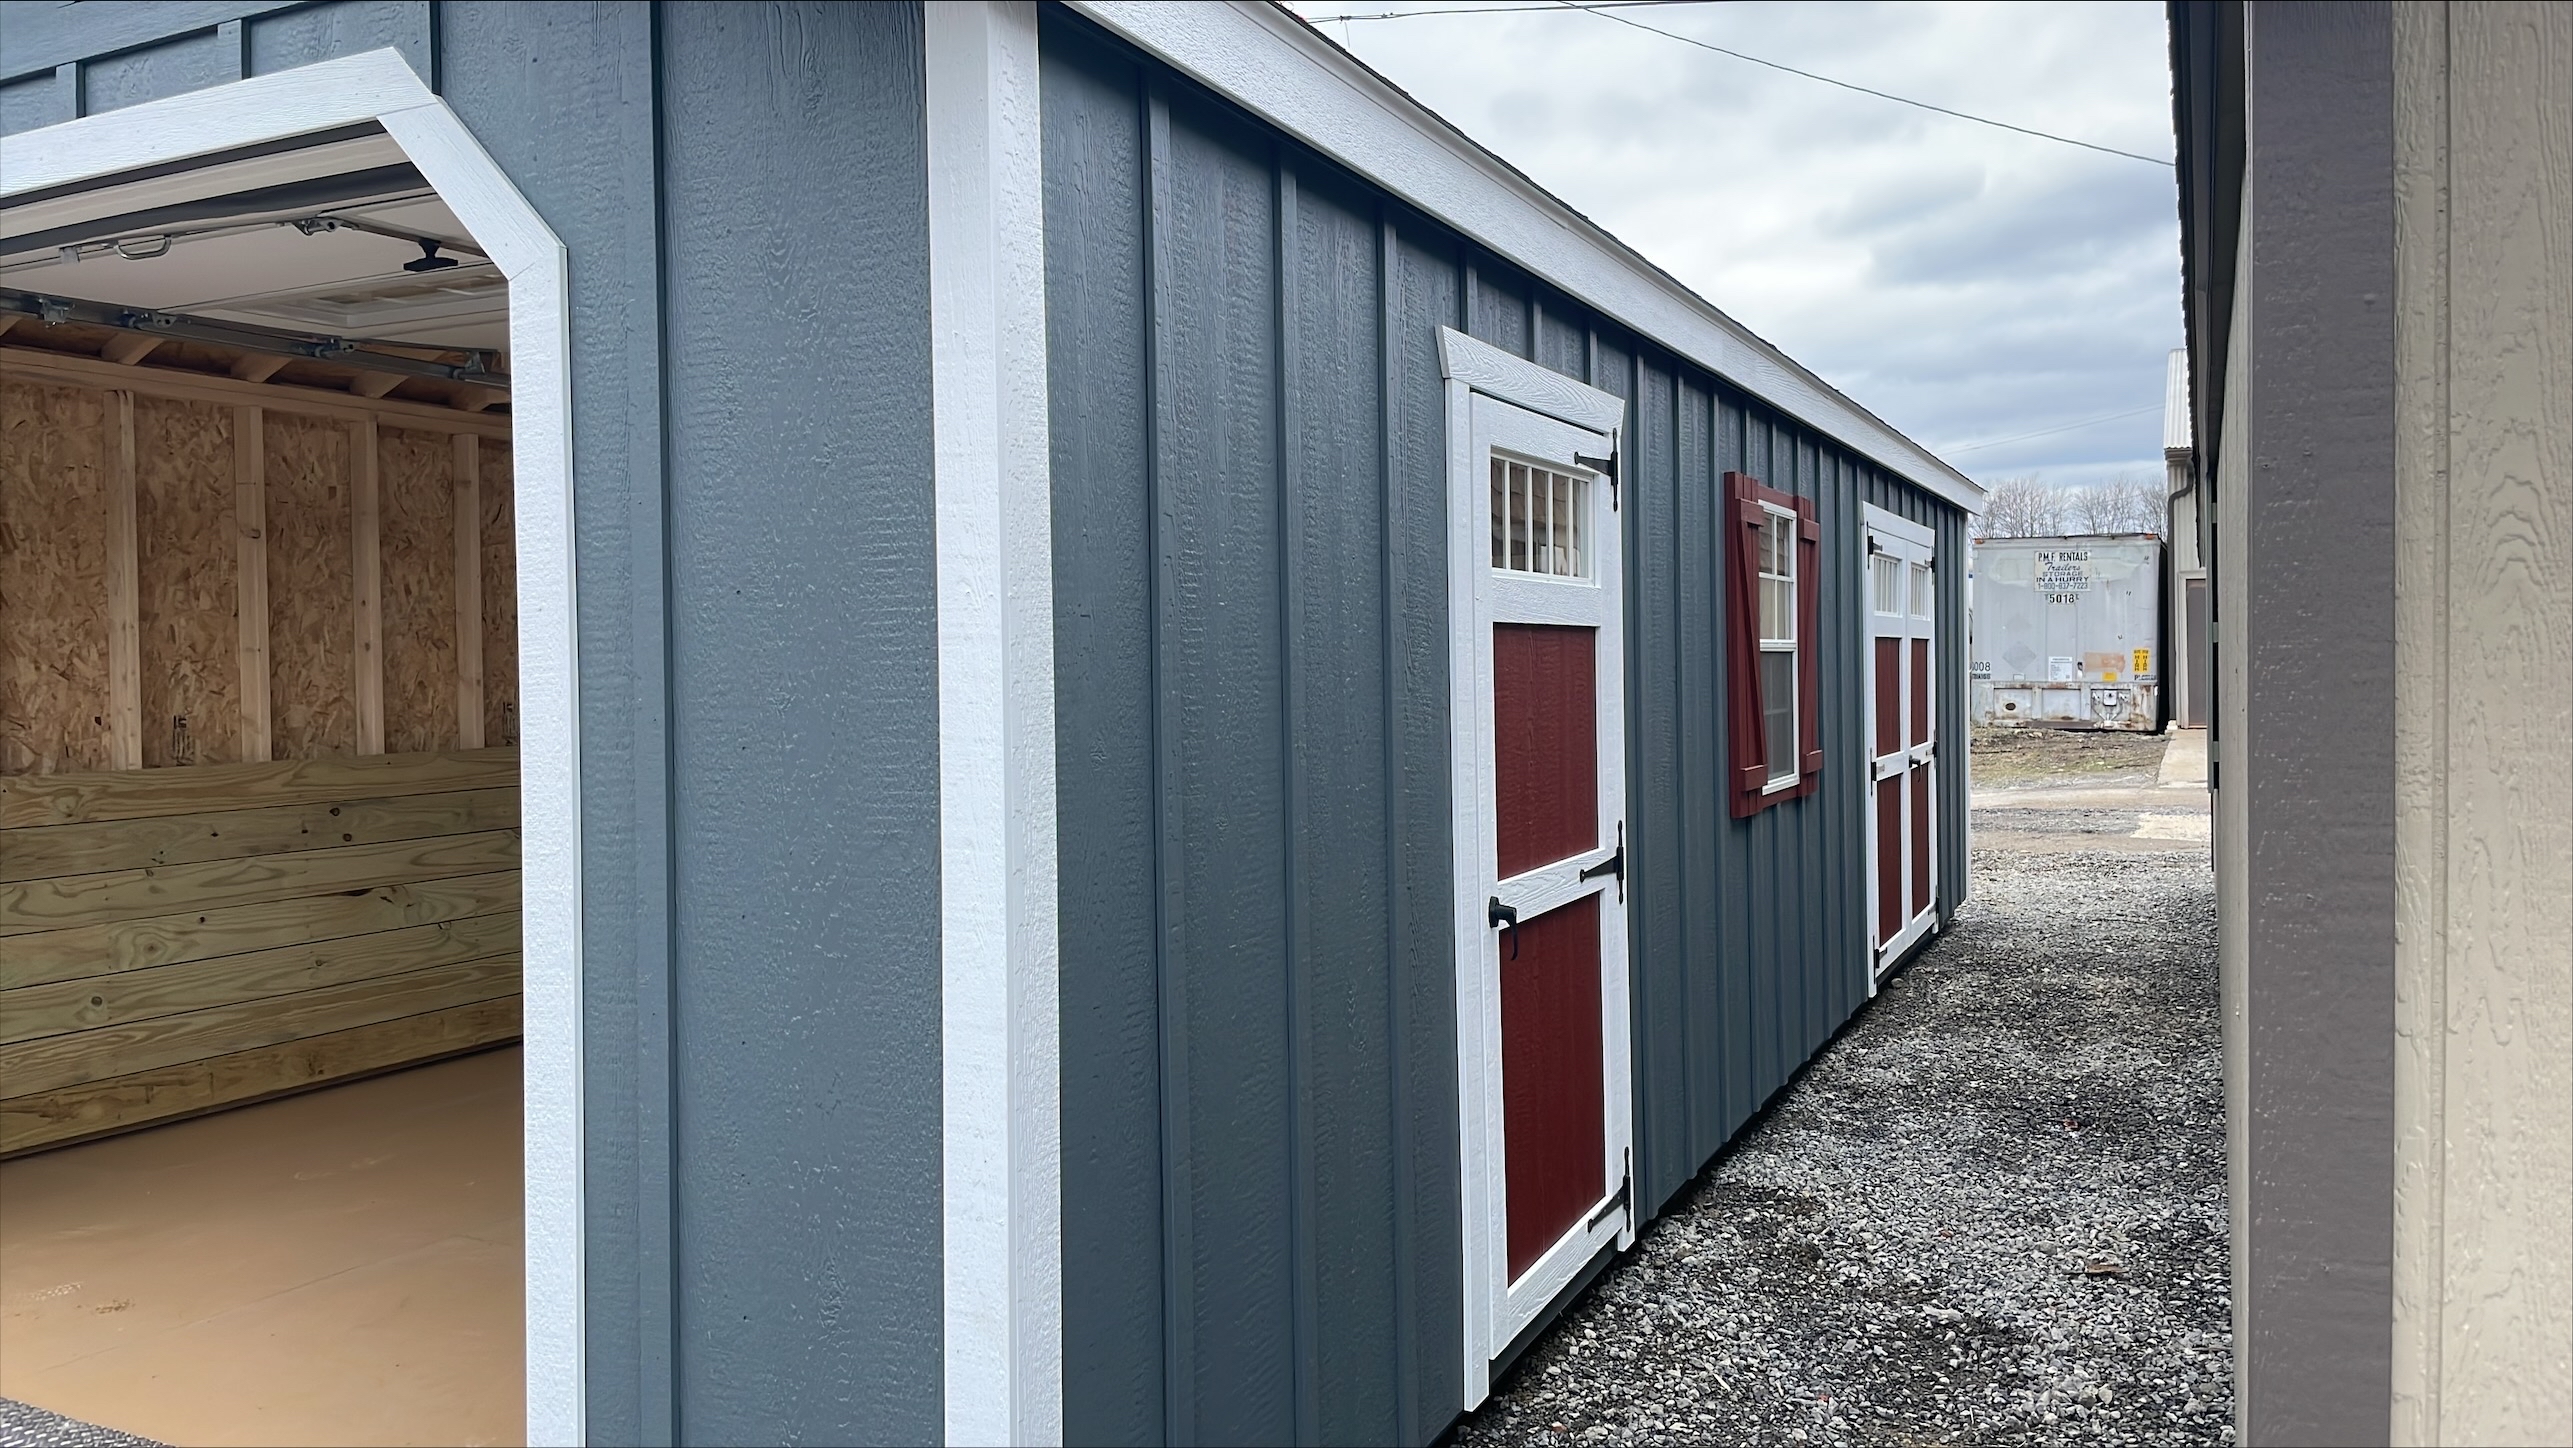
(1920, 839)
(1889, 859)
(1545, 748)
(1889, 695)
(1920, 691)
(1553, 1107)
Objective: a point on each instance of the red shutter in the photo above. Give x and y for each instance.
(1809, 646)
(1742, 639)
(1743, 500)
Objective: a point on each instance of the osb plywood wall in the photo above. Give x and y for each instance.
(279, 599)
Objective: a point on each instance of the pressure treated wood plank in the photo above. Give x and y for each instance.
(88, 951)
(250, 576)
(128, 794)
(468, 525)
(85, 1056)
(124, 592)
(64, 1006)
(366, 580)
(66, 900)
(148, 1098)
(88, 849)
(35, 364)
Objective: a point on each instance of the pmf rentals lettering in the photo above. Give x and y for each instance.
(2063, 573)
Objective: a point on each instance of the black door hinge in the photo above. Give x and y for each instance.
(1507, 918)
(1606, 467)
(1614, 865)
(1623, 1199)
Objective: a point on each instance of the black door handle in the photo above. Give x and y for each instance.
(1506, 917)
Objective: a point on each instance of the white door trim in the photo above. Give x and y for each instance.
(380, 86)
(1001, 1207)
(1490, 392)
(1912, 544)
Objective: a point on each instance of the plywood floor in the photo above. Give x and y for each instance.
(342, 1267)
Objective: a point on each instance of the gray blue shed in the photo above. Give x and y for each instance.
(1180, 746)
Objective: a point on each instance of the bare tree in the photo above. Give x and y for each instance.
(2022, 508)
(2120, 505)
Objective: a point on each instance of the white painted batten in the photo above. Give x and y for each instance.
(999, 1069)
(380, 86)
(1283, 70)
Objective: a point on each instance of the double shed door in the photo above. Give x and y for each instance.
(1903, 754)
(1542, 986)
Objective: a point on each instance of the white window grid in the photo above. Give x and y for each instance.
(1778, 665)
(1885, 582)
(1538, 520)
(1921, 591)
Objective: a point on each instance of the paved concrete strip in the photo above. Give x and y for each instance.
(2184, 760)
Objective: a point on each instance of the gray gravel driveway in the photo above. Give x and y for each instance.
(1992, 1211)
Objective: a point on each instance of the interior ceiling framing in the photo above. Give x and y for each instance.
(217, 237)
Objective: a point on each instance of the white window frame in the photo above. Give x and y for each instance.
(1783, 524)
(1500, 402)
(381, 87)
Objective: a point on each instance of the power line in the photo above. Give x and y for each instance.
(1601, 7)
(2048, 431)
(1531, 7)
(1863, 90)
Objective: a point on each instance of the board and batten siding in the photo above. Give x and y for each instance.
(1259, 1070)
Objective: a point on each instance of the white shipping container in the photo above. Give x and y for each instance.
(2067, 632)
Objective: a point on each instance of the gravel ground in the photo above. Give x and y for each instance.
(1992, 1211)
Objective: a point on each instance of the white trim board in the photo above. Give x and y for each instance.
(1001, 1240)
(1278, 67)
(380, 86)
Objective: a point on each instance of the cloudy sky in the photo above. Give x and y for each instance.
(1969, 285)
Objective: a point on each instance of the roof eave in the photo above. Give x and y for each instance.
(1269, 61)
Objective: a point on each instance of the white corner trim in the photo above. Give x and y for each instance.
(381, 86)
(999, 1068)
(1285, 71)
(1516, 380)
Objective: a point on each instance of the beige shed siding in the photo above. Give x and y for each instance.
(2483, 1300)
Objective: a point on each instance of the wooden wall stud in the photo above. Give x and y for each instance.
(124, 605)
(366, 581)
(250, 516)
(468, 518)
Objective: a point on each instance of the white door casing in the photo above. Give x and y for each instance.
(1899, 591)
(1502, 405)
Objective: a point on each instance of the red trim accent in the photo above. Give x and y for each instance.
(1749, 502)
(1809, 646)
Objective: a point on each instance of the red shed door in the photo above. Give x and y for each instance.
(1901, 726)
(1541, 858)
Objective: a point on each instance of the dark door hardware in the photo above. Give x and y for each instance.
(1623, 1199)
(1606, 467)
(1614, 865)
(1506, 917)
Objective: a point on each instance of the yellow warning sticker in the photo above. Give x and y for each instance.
(2144, 661)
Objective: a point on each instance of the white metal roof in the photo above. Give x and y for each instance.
(1274, 64)
(2175, 404)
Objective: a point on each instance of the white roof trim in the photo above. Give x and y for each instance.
(1277, 66)
(2175, 404)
